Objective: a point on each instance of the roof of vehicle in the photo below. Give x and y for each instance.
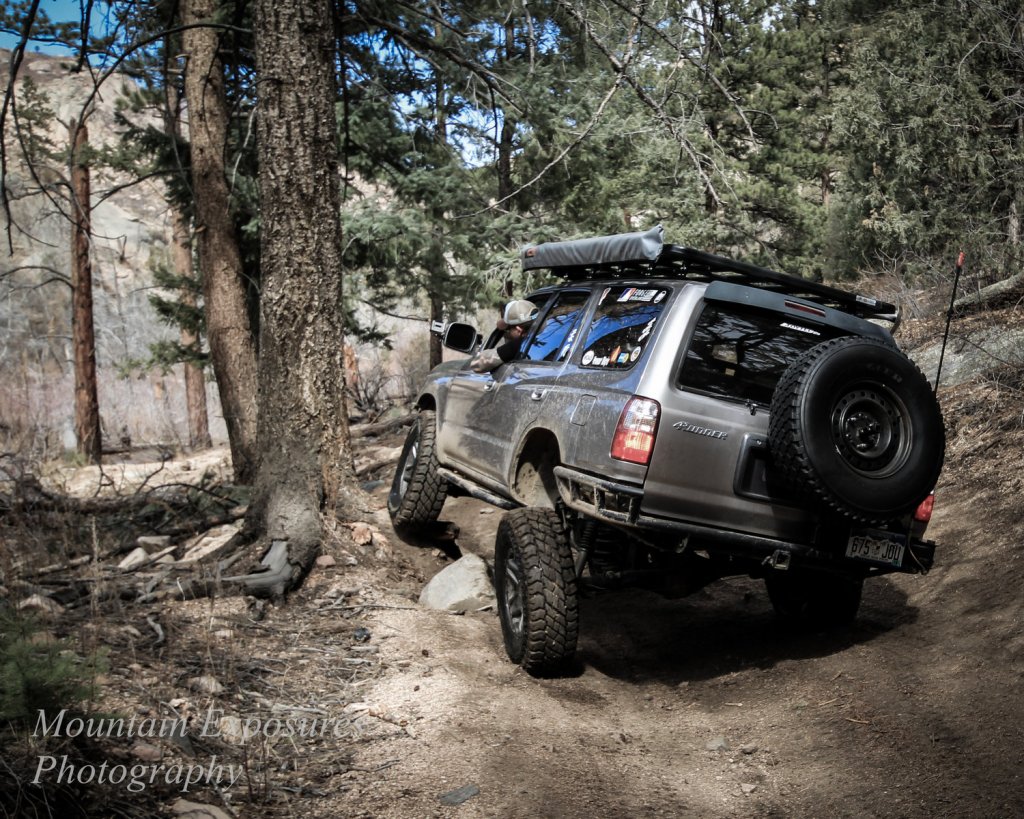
(646, 255)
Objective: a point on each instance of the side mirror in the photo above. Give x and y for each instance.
(461, 337)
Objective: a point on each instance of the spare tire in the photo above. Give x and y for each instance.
(856, 428)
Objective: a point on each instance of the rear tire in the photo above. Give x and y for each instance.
(417, 492)
(814, 599)
(535, 583)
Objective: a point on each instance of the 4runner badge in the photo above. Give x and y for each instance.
(696, 430)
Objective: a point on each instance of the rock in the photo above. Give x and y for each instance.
(748, 788)
(44, 605)
(206, 684)
(153, 543)
(326, 562)
(147, 752)
(209, 541)
(194, 810)
(459, 795)
(361, 635)
(382, 549)
(231, 730)
(362, 534)
(749, 748)
(369, 486)
(135, 558)
(462, 586)
(717, 744)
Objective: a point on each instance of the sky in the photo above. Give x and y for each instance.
(58, 11)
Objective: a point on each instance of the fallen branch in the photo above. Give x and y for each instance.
(1005, 290)
(53, 568)
(369, 430)
(373, 466)
(160, 636)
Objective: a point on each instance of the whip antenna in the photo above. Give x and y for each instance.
(949, 316)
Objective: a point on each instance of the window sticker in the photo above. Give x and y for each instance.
(647, 330)
(622, 325)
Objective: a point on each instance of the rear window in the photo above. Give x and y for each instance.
(740, 353)
(622, 326)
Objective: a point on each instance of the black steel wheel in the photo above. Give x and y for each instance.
(856, 428)
(535, 583)
(417, 492)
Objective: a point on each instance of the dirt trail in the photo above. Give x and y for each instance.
(708, 707)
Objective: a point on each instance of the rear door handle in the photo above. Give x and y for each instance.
(536, 395)
(489, 386)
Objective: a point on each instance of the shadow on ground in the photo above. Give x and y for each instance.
(727, 627)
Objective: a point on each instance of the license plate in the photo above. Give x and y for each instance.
(876, 548)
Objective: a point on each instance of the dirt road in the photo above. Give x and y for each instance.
(707, 707)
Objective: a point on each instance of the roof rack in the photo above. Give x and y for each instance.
(645, 254)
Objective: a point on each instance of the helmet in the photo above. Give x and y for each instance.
(520, 312)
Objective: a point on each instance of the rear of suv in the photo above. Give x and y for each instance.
(673, 418)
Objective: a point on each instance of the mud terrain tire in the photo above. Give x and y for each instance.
(417, 491)
(855, 428)
(809, 600)
(535, 583)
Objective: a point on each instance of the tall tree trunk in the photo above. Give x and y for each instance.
(506, 143)
(436, 264)
(436, 314)
(195, 384)
(83, 334)
(305, 465)
(181, 258)
(228, 330)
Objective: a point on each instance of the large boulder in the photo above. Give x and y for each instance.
(463, 586)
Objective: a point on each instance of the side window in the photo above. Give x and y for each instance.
(740, 353)
(622, 326)
(558, 329)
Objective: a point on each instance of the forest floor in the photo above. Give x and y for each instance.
(702, 707)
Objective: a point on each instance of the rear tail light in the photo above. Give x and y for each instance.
(634, 434)
(923, 513)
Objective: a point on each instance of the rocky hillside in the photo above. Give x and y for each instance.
(131, 231)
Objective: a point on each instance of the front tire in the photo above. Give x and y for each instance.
(535, 583)
(417, 492)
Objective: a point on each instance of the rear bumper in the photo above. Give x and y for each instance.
(619, 504)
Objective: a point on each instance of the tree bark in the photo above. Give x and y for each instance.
(181, 258)
(305, 466)
(228, 331)
(83, 334)
(195, 384)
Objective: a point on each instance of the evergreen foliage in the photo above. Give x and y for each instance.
(823, 137)
(36, 673)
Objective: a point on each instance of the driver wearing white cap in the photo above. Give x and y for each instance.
(515, 323)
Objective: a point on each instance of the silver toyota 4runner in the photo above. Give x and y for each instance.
(675, 417)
